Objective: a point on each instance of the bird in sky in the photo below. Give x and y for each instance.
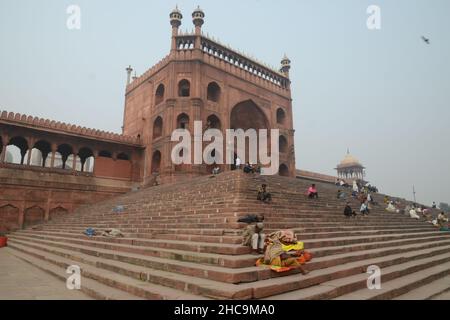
(426, 40)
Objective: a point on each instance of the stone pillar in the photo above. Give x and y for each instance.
(47, 209)
(54, 150)
(30, 149)
(21, 214)
(95, 152)
(74, 162)
(5, 144)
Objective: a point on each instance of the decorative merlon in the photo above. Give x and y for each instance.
(22, 119)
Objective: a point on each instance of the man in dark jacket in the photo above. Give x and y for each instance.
(348, 212)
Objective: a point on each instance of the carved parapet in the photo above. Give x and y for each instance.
(24, 120)
(146, 75)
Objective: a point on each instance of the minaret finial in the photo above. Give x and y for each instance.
(198, 18)
(129, 71)
(285, 65)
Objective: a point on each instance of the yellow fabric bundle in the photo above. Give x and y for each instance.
(297, 247)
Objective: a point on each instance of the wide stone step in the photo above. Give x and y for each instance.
(400, 285)
(138, 287)
(217, 248)
(344, 288)
(429, 291)
(442, 296)
(141, 247)
(322, 260)
(145, 282)
(272, 287)
(90, 287)
(211, 272)
(264, 288)
(342, 241)
(334, 250)
(358, 233)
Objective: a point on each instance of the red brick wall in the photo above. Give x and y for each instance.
(110, 168)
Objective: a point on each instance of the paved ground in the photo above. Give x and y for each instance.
(21, 281)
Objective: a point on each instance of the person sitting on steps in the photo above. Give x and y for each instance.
(248, 168)
(263, 195)
(237, 163)
(442, 220)
(340, 194)
(312, 192)
(348, 212)
(254, 237)
(392, 208)
(216, 170)
(355, 189)
(370, 199)
(364, 208)
(413, 214)
(283, 250)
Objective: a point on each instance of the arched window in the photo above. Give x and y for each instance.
(183, 121)
(184, 88)
(159, 95)
(13, 154)
(213, 122)
(281, 116)
(16, 150)
(157, 127)
(36, 158)
(213, 93)
(283, 144)
(69, 162)
(65, 151)
(39, 153)
(89, 164)
(86, 158)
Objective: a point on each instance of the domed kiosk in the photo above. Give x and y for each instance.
(350, 168)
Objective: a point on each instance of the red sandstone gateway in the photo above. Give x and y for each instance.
(61, 167)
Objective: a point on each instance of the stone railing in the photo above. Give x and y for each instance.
(239, 60)
(223, 57)
(147, 74)
(22, 119)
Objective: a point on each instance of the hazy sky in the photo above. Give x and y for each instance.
(384, 94)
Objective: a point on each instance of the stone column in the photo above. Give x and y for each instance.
(54, 149)
(74, 162)
(30, 149)
(21, 214)
(5, 144)
(47, 209)
(95, 152)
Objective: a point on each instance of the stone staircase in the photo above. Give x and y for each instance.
(182, 241)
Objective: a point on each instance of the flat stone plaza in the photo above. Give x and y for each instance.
(21, 281)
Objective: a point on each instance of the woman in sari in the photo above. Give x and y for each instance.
(283, 251)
